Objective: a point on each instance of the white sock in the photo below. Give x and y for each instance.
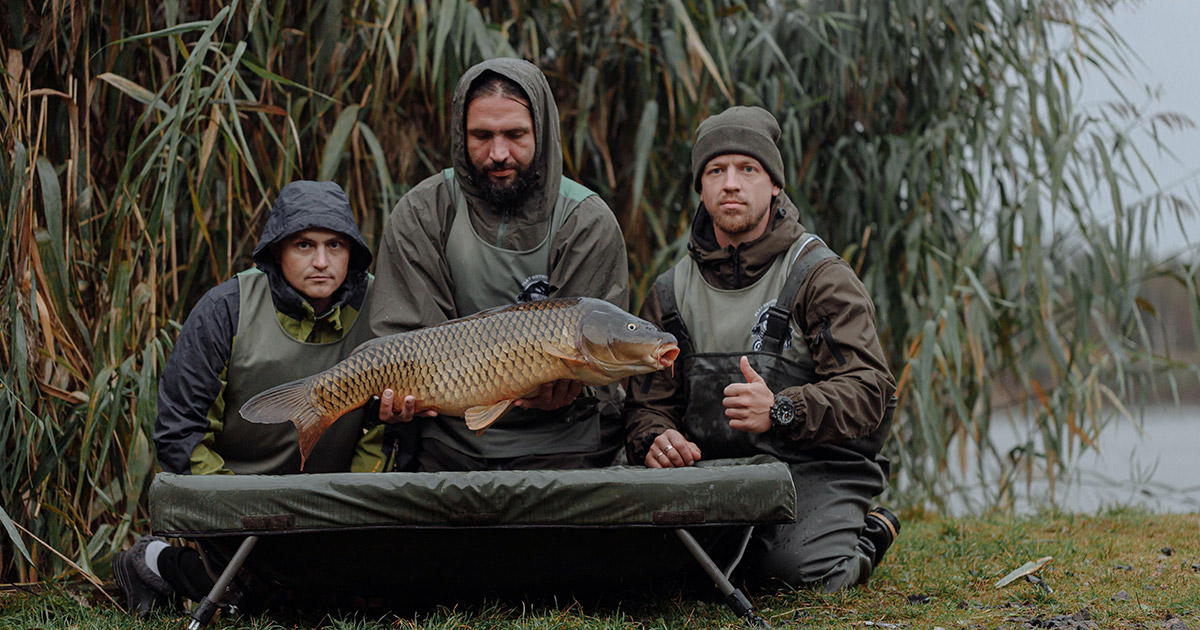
(154, 548)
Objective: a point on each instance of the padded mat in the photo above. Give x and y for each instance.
(734, 491)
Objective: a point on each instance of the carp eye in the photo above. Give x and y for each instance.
(632, 326)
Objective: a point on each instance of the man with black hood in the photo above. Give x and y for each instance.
(779, 354)
(298, 313)
(502, 226)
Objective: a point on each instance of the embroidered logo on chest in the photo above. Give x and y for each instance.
(534, 288)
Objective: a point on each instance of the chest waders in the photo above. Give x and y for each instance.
(833, 481)
(264, 356)
(721, 333)
(487, 276)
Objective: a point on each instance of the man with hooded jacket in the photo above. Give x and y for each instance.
(298, 313)
(502, 226)
(779, 355)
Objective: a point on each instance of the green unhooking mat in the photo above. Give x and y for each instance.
(328, 536)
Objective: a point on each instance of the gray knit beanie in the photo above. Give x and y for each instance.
(749, 131)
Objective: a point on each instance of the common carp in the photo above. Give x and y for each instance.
(475, 366)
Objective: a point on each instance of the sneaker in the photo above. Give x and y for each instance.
(142, 589)
(882, 528)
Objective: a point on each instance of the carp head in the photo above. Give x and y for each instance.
(616, 345)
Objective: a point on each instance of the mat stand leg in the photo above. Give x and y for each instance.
(741, 551)
(734, 598)
(208, 606)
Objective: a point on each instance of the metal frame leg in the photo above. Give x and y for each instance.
(208, 606)
(734, 598)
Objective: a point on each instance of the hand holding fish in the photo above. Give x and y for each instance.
(404, 413)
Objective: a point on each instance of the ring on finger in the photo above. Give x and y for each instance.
(667, 448)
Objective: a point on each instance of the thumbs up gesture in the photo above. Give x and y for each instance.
(748, 405)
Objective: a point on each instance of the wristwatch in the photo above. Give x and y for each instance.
(783, 412)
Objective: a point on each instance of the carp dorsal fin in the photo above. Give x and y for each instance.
(487, 312)
(481, 417)
(367, 344)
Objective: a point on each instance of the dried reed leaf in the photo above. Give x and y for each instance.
(335, 146)
(134, 91)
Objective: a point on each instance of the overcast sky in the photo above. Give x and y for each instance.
(1165, 34)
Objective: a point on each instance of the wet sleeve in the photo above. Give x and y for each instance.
(192, 383)
(854, 383)
(413, 288)
(589, 258)
(654, 402)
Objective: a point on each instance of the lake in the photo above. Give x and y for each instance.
(1156, 468)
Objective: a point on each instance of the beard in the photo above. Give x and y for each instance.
(507, 193)
(737, 223)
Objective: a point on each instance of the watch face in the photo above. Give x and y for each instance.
(783, 411)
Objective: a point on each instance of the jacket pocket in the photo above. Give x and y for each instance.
(826, 337)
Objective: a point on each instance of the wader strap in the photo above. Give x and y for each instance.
(671, 320)
(780, 313)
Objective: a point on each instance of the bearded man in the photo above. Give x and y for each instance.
(502, 226)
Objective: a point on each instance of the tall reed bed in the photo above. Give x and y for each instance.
(936, 145)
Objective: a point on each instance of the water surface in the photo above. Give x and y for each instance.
(1155, 466)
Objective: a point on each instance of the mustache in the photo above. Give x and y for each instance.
(500, 166)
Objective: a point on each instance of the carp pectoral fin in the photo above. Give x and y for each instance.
(567, 353)
(480, 418)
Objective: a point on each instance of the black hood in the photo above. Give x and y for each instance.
(304, 205)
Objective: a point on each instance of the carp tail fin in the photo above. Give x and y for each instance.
(290, 402)
(480, 418)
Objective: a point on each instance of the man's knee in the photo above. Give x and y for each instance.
(813, 567)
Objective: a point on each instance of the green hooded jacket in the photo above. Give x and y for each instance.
(414, 284)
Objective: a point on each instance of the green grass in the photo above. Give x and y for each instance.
(953, 562)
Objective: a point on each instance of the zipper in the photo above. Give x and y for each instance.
(500, 233)
(826, 337)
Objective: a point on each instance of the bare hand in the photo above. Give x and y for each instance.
(672, 450)
(403, 413)
(748, 405)
(551, 396)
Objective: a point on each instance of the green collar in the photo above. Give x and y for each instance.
(330, 327)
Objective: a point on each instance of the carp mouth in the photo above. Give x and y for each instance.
(665, 354)
(662, 356)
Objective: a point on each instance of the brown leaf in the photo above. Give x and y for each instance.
(264, 108)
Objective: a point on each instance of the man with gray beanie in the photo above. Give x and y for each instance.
(779, 355)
